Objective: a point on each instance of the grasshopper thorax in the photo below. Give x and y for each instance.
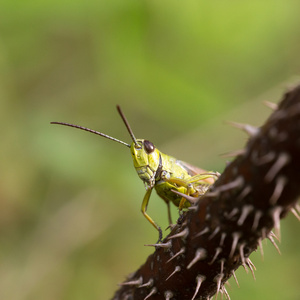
(145, 160)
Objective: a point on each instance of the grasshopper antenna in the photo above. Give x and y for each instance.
(128, 126)
(92, 131)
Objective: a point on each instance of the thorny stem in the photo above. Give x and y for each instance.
(255, 191)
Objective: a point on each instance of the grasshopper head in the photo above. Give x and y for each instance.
(145, 160)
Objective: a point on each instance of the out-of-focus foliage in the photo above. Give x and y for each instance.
(70, 221)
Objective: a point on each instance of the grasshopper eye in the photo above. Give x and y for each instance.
(149, 147)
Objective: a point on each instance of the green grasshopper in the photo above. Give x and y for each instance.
(171, 178)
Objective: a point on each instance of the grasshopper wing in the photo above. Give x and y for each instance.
(193, 171)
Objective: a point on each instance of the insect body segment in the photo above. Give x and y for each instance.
(164, 173)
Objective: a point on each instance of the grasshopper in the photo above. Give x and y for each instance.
(172, 179)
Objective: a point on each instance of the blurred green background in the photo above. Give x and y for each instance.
(70, 221)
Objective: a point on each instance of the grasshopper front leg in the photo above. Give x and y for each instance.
(144, 208)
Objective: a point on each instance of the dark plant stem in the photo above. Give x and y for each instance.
(217, 236)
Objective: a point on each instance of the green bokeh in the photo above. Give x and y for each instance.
(70, 221)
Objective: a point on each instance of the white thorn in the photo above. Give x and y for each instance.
(297, 207)
(261, 249)
(147, 284)
(258, 214)
(199, 280)
(136, 282)
(228, 284)
(181, 251)
(246, 210)
(177, 269)
(264, 159)
(230, 215)
(192, 208)
(245, 267)
(274, 235)
(207, 216)
(223, 236)
(238, 182)
(226, 293)
(235, 236)
(242, 253)
(205, 230)
(234, 153)
(282, 160)
(275, 214)
(294, 212)
(244, 193)
(235, 278)
(161, 245)
(168, 295)
(212, 194)
(249, 129)
(264, 231)
(152, 292)
(250, 264)
(218, 280)
(214, 233)
(271, 105)
(273, 242)
(199, 255)
(222, 264)
(218, 251)
(183, 234)
(281, 181)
